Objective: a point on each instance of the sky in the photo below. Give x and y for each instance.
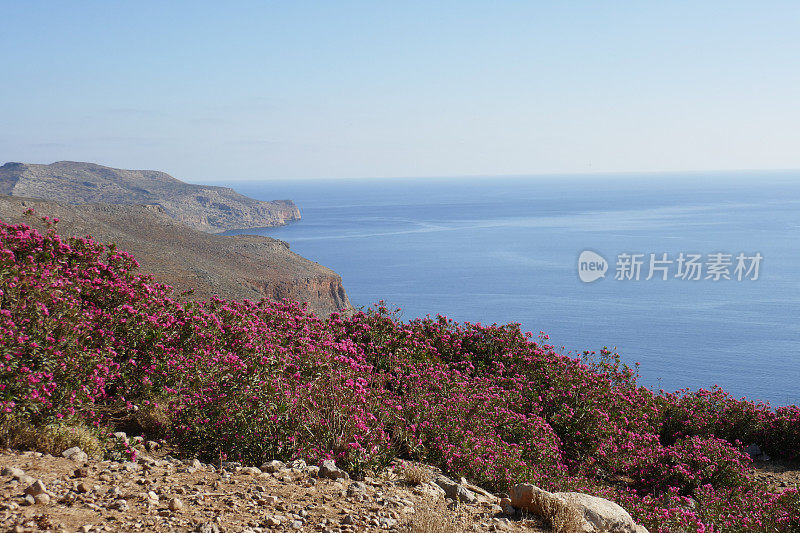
(291, 90)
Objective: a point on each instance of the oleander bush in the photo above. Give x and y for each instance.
(87, 341)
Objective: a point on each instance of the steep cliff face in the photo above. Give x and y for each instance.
(232, 267)
(202, 207)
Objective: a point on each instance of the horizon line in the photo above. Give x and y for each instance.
(558, 174)
(578, 174)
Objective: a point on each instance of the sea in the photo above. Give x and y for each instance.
(507, 249)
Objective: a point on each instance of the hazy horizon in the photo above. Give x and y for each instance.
(713, 173)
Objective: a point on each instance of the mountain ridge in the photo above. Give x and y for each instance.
(208, 208)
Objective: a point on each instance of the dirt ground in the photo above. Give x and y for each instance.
(170, 495)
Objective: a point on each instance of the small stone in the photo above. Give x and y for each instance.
(120, 505)
(298, 464)
(175, 504)
(15, 473)
(81, 472)
(270, 499)
(272, 521)
(454, 490)
(36, 488)
(273, 466)
(85, 528)
(42, 499)
(84, 487)
(357, 487)
(250, 470)
(331, 471)
(75, 454)
(29, 500)
(348, 519)
(25, 479)
(387, 523)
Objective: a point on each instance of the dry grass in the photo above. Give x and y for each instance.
(433, 516)
(564, 516)
(416, 474)
(154, 418)
(52, 438)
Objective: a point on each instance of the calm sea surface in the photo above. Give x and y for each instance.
(506, 250)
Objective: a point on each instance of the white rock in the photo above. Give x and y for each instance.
(273, 466)
(175, 504)
(270, 499)
(599, 514)
(602, 514)
(454, 490)
(75, 454)
(331, 471)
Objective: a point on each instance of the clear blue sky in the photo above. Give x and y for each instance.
(300, 89)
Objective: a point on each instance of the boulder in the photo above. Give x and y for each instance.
(599, 515)
(530, 498)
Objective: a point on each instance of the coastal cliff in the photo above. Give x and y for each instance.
(232, 267)
(204, 208)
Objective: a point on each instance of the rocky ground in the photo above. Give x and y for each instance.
(778, 475)
(40, 492)
(157, 492)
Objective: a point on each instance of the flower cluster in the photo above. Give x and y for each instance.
(85, 337)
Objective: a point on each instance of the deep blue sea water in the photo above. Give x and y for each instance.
(506, 249)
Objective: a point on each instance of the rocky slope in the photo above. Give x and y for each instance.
(205, 208)
(41, 492)
(232, 267)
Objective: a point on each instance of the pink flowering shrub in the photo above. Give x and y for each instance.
(693, 462)
(84, 337)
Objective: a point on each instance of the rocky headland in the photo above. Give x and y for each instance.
(202, 207)
(232, 267)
